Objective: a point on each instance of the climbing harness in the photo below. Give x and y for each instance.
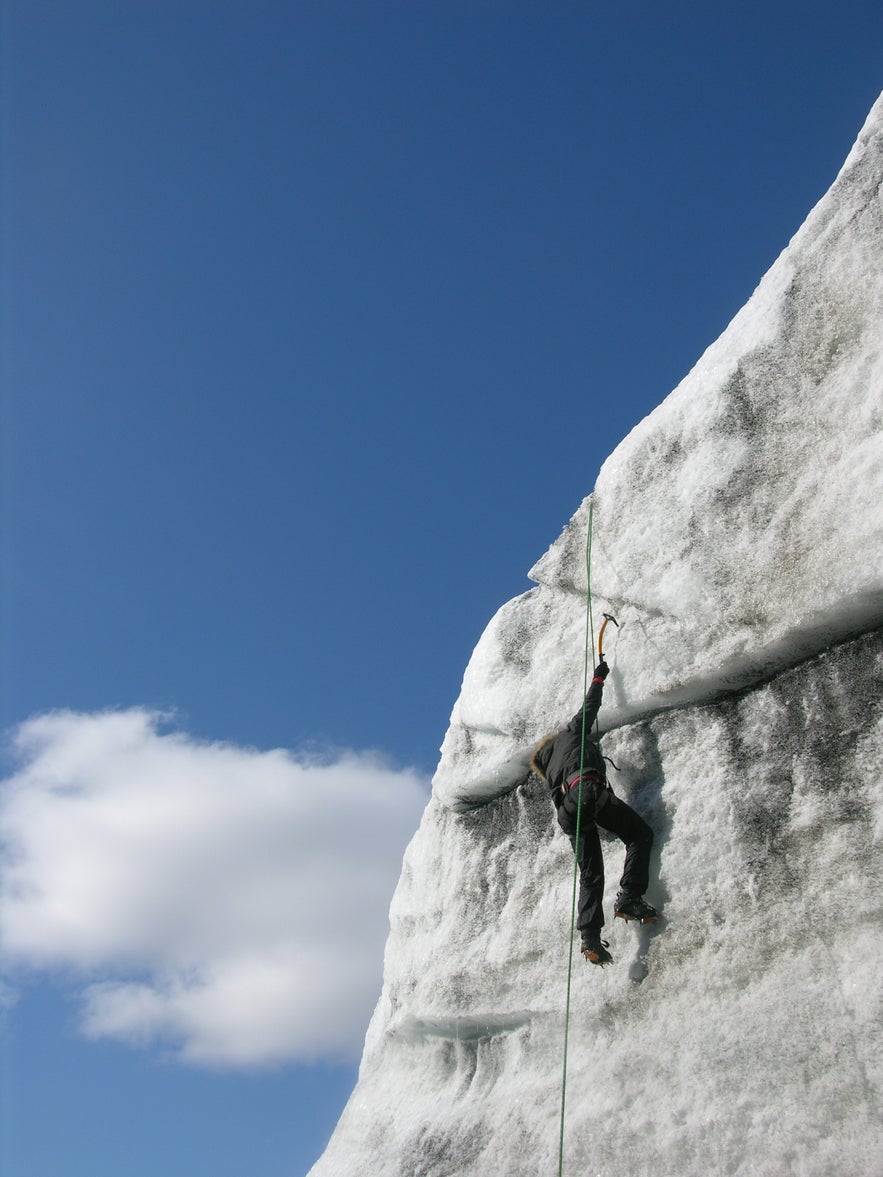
(589, 646)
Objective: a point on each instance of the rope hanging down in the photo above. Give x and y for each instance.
(589, 647)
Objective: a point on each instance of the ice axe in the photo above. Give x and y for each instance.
(607, 617)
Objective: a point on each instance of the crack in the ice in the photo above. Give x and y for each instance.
(799, 646)
(463, 1028)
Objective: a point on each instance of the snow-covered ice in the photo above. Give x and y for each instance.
(736, 529)
(737, 538)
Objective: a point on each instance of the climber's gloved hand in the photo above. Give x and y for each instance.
(602, 670)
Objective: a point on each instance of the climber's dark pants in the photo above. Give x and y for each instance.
(601, 807)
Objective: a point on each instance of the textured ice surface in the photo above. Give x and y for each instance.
(736, 529)
(752, 1046)
(738, 539)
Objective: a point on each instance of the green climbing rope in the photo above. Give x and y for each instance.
(589, 648)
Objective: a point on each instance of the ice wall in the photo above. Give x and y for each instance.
(738, 540)
(736, 529)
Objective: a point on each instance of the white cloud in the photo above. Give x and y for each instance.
(227, 903)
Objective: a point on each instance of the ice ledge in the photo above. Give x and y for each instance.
(461, 1028)
(465, 781)
(818, 633)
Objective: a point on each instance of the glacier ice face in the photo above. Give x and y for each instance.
(738, 540)
(736, 529)
(751, 1044)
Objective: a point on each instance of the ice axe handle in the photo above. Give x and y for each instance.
(607, 617)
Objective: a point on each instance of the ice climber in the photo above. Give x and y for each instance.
(563, 762)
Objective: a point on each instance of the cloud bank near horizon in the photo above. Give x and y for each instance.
(226, 904)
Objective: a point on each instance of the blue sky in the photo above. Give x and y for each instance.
(318, 320)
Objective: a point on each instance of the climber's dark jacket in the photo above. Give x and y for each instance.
(558, 758)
